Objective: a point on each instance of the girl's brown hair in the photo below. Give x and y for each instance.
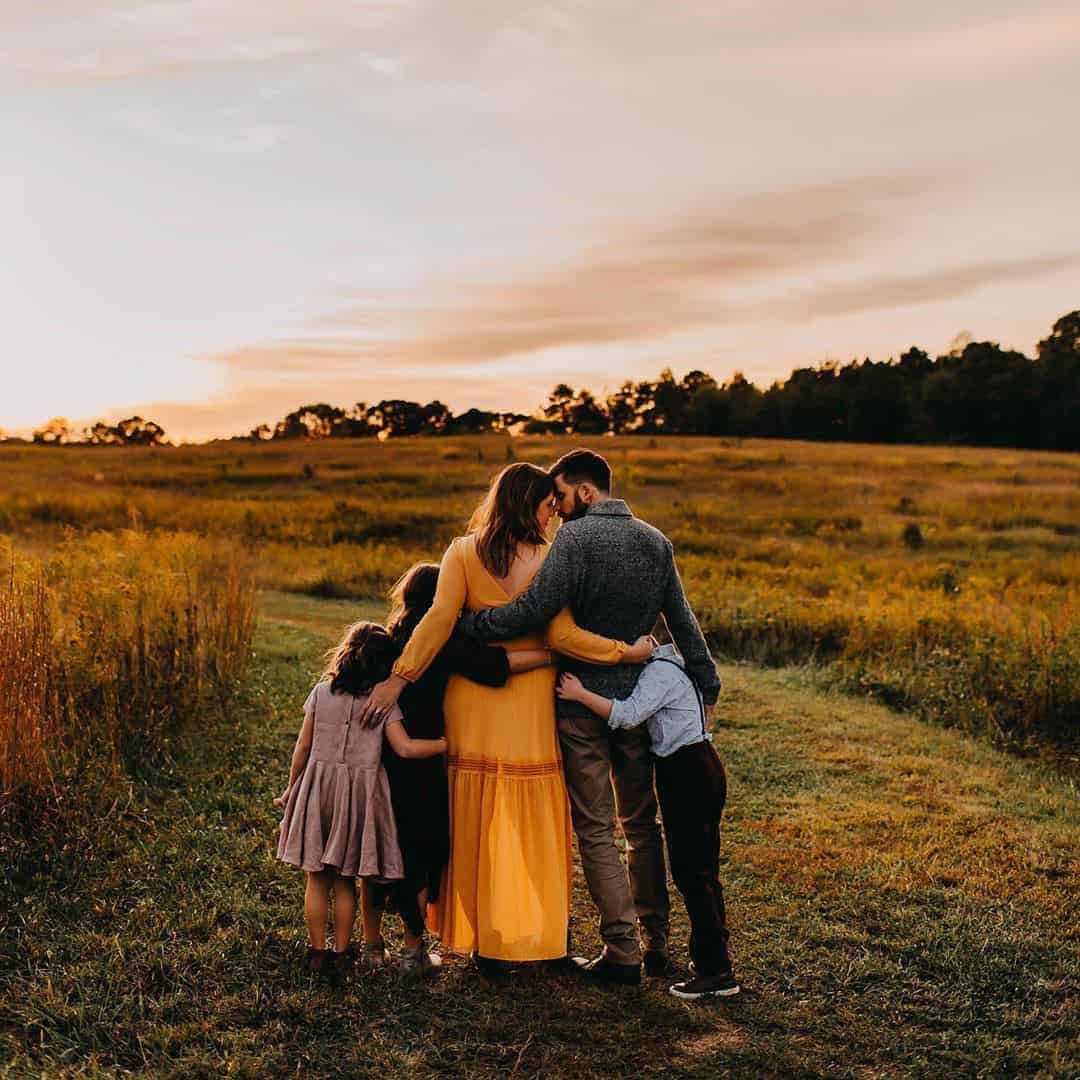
(507, 516)
(410, 598)
(362, 658)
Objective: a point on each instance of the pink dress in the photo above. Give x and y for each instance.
(338, 812)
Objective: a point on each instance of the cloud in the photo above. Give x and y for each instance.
(637, 283)
(894, 291)
(153, 123)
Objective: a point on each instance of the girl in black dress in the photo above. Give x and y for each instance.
(418, 786)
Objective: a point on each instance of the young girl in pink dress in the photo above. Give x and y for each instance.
(338, 822)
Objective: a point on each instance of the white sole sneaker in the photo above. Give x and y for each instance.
(727, 991)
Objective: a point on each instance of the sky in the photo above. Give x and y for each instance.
(214, 211)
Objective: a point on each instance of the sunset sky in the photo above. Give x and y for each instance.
(216, 210)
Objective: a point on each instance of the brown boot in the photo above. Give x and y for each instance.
(317, 962)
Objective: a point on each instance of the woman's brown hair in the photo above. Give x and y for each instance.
(410, 598)
(507, 516)
(362, 658)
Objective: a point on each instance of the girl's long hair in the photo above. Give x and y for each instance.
(507, 515)
(363, 657)
(410, 598)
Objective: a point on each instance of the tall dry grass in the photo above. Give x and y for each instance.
(942, 579)
(108, 648)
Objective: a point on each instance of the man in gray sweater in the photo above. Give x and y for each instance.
(617, 574)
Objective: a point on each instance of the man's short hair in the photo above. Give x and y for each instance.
(583, 466)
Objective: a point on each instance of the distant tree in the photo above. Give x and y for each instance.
(879, 405)
(57, 432)
(621, 409)
(137, 431)
(309, 422)
(1058, 374)
(558, 409)
(261, 433)
(587, 416)
(986, 396)
(475, 422)
(101, 434)
(352, 424)
(744, 405)
(436, 418)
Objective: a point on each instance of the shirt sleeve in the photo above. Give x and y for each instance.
(565, 636)
(309, 705)
(486, 664)
(655, 689)
(435, 628)
(551, 590)
(686, 633)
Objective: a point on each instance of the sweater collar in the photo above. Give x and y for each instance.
(611, 508)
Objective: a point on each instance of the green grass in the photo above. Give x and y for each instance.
(903, 902)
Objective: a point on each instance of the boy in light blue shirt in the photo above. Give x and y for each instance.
(692, 788)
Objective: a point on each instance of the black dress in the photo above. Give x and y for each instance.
(418, 787)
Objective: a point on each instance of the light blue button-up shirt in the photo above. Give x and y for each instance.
(666, 700)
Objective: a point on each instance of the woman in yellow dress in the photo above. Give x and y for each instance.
(507, 889)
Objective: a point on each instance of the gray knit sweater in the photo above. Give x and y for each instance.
(617, 574)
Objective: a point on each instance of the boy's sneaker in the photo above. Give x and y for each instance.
(373, 955)
(702, 986)
(419, 963)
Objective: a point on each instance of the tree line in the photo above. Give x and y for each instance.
(977, 394)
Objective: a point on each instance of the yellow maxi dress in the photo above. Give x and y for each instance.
(506, 894)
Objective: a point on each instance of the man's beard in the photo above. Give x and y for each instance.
(580, 509)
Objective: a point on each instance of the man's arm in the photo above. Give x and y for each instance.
(690, 641)
(550, 592)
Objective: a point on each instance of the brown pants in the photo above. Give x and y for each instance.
(609, 774)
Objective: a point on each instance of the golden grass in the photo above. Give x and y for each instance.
(106, 649)
(791, 552)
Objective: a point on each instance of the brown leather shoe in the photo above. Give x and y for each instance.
(656, 963)
(605, 972)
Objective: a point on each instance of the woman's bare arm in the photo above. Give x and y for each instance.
(529, 659)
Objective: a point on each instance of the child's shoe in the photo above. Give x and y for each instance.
(373, 955)
(344, 962)
(418, 963)
(316, 962)
(702, 986)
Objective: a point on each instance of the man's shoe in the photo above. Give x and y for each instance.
(703, 986)
(564, 965)
(606, 972)
(656, 963)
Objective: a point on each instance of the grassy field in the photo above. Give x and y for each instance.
(942, 580)
(904, 902)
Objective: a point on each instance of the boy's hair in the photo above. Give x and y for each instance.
(362, 658)
(583, 466)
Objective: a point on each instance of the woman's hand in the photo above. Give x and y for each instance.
(569, 687)
(640, 651)
(279, 802)
(382, 699)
